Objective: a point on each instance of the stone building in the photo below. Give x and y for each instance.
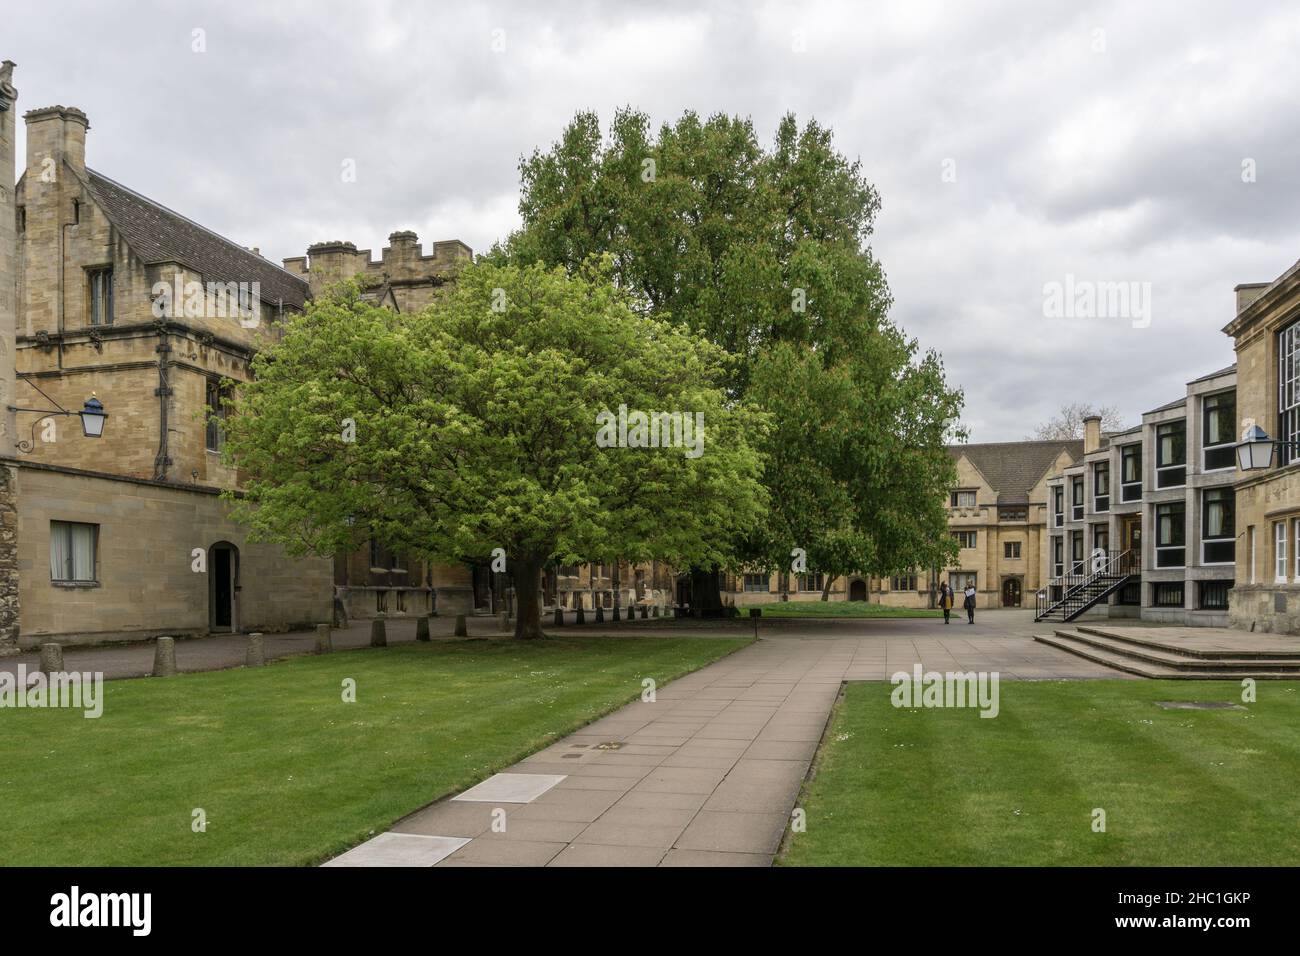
(997, 511)
(1266, 336)
(125, 536)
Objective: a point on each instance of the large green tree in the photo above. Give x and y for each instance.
(765, 251)
(476, 425)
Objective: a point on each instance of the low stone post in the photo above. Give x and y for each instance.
(164, 657)
(51, 658)
(422, 628)
(581, 615)
(324, 643)
(461, 630)
(504, 621)
(559, 617)
(378, 633)
(255, 656)
(616, 612)
(645, 612)
(600, 614)
(654, 610)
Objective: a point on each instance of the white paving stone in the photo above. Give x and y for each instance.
(400, 849)
(511, 787)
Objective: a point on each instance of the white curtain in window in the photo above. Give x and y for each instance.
(60, 551)
(83, 552)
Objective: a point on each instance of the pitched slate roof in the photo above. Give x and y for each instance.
(157, 234)
(1012, 468)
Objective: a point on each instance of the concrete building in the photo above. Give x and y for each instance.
(1172, 475)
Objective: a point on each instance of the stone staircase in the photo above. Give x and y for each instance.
(1183, 653)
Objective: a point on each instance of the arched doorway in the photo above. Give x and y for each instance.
(1011, 592)
(857, 590)
(223, 587)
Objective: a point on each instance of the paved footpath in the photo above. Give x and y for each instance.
(707, 774)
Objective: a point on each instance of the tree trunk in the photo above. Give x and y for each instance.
(527, 576)
(706, 593)
(826, 590)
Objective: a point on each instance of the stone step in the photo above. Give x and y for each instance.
(1198, 653)
(1154, 653)
(1121, 660)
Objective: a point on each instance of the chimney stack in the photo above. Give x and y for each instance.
(55, 135)
(8, 258)
(1091, 433)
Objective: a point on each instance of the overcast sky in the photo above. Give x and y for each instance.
(1014, 144)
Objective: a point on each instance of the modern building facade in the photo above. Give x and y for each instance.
(1158, 498)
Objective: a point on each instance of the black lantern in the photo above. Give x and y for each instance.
(93, 417)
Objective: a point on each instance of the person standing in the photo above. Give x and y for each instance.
(969, 602)
(945, 600)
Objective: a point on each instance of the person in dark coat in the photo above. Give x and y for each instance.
(945, 600)
(969, 603)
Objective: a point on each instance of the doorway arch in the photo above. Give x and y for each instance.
(1011, 592)
(857, 590)
(223, 587)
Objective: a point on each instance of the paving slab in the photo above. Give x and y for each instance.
(512, 787)
(400, 849)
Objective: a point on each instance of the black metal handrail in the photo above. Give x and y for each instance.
(1099, 566)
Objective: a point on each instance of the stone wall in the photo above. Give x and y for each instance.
(145, 582)
(8, 562)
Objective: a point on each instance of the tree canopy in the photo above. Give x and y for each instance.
(765, 252)
(474, 425)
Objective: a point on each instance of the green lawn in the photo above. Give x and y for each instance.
(288, 773)
(838, 609)
(900, 787)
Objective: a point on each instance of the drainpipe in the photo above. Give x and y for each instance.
(162, 461)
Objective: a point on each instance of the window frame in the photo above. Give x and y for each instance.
(1228, 534)
(1077, 497)
(1224, 407)
(1288, 392)
(1171, 474)
(1168, 549)
(1100, 481)
(99, 290)
(1280, 553)
(1130, 489)
(59, 525)
(1008, 547)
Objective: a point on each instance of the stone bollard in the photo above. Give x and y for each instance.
(559, 617)
(645, 612)
(616, 617)
(255, 656)
(164, 657)
(504, 621)
(51, 658)
(582, 615)
(378, 633)
(421, 628)
(654, 610)
(461, 630)
(600, 614)
(324, 644)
